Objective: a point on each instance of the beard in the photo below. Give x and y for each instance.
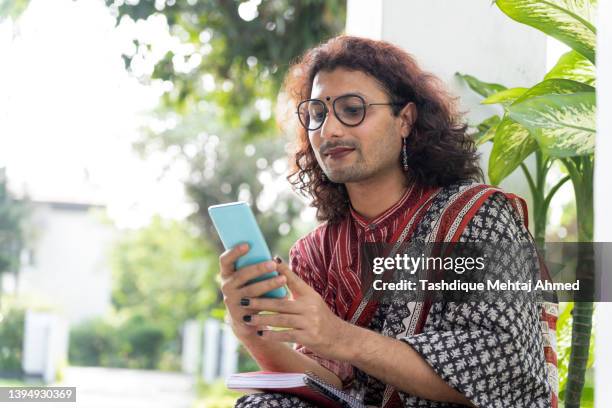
(348, 174)
(357, 171)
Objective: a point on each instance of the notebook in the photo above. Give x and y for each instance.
(307, 386)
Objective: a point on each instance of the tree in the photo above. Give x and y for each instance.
(222, 83)
(243, 48)
(12, 216)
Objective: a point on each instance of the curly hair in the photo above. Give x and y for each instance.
(440, 152)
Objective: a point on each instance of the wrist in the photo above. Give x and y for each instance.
(347, 344)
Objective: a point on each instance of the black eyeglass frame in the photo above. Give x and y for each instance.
(326, 109)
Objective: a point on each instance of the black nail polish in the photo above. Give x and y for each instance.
(277, 259)
(260, 333)
(245, 301)
(246, 318)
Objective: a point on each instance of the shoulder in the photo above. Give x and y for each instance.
(473, 196)
(465, 203)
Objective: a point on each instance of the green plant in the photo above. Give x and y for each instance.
(144, 340)
(555, 119)
(136, 343)
(93, 343)
(13, 213)
(11, 340)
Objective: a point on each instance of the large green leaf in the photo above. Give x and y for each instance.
(482, 88)
(554, 86)
(564, 125)
(486, 130)
(511, 145)
(505, 97)
(574, 66)
(569, 21)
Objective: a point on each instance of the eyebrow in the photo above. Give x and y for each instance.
(344, 94)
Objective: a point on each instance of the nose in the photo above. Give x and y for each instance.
(331, 127)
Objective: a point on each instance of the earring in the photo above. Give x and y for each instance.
(323, 177)
(404, 154)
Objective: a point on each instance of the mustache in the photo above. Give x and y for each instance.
(325, 147)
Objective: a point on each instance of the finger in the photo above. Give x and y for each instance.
(294, 282)
(291, 321)
(289, 335)
(273, 305)
(243, 275)
(259, 288)
(229, 257)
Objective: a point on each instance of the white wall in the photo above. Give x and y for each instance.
(603, 200)
(70, 270)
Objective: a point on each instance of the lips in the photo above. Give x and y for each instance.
(337, 152)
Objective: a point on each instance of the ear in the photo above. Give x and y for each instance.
(408, 116)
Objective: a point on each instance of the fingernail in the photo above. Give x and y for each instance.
(245, 301)
(260, 333)
(270, 266)
(244, 247)
(278, 259)
(246, 318)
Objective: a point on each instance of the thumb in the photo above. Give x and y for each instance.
(294, 282)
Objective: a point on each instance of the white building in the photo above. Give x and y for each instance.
(66, 267)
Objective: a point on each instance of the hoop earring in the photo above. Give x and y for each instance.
(405, 154)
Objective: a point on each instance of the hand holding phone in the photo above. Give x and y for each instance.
(236, 224)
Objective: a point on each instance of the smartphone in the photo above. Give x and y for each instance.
(236, 224)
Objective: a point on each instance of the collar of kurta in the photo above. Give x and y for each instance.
(388, 216)
(343, 274)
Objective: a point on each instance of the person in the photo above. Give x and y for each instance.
(385, 157)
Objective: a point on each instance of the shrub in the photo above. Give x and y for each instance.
(136, 343)
(94, 343)
(11, 340)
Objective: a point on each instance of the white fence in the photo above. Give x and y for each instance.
(45, 345)
(210, 348)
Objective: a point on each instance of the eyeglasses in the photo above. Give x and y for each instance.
(350, 110)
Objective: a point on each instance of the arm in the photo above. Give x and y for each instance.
(396, 363)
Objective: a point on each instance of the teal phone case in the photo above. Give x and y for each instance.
(236, 224)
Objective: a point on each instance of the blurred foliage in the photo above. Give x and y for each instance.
(221, 81)
(216, 117)
(13, 214)
(246, 363)
(224, 170)
(215, 395)
(94, 343)
(163, 273)
(11, 338)
(12, 8)
(249, 57)
(135, 343)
